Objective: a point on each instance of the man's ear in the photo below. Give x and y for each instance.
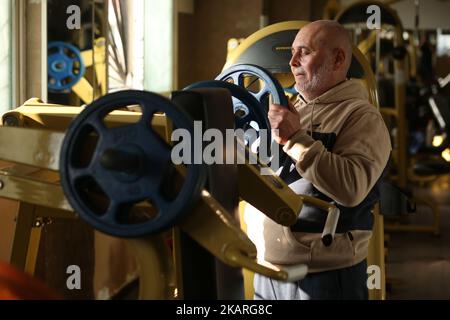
(339, 58)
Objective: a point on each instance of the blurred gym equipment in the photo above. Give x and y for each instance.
(67, 67)
(404, 169)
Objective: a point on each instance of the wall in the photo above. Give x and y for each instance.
(204, 27)
(203, 35)
(284, 10)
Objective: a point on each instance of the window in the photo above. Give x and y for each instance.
(5, 55)
(159, 46)
(443, 43)
(141, 46)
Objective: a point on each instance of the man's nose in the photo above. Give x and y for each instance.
(295, 60)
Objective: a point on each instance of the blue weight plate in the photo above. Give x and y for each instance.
(65, 66)
(128, 165)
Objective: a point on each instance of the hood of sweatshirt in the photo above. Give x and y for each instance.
(347, 90)
(338, 155)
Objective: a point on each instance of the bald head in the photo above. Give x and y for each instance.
(333, 36)
(321, 57)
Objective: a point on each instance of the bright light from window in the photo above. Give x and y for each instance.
(443, 43)
(5, 56)
(159, 66)
(126, 47)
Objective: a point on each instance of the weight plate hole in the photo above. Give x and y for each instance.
(93, 195)
(85, 145)
(138, 213)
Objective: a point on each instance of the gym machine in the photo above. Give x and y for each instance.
(120, 144)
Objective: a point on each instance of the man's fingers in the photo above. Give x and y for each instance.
(276, 107)
(292, 108)
(282, 109)
(274, 121)
(274, 113)
(275, 117)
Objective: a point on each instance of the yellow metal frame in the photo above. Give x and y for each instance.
(365, 45)
(33, 180)
(83, 88)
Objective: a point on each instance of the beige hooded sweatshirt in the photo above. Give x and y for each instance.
(360, 153)
(339, 155)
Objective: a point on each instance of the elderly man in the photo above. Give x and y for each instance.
(336, 148)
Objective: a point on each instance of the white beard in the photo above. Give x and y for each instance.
(316, 82)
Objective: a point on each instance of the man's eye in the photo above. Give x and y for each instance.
(302, 52)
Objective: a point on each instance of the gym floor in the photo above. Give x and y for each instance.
(418, 264)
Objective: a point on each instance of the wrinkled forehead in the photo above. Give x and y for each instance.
(309, 36)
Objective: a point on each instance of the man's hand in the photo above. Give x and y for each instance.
(286, 120)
